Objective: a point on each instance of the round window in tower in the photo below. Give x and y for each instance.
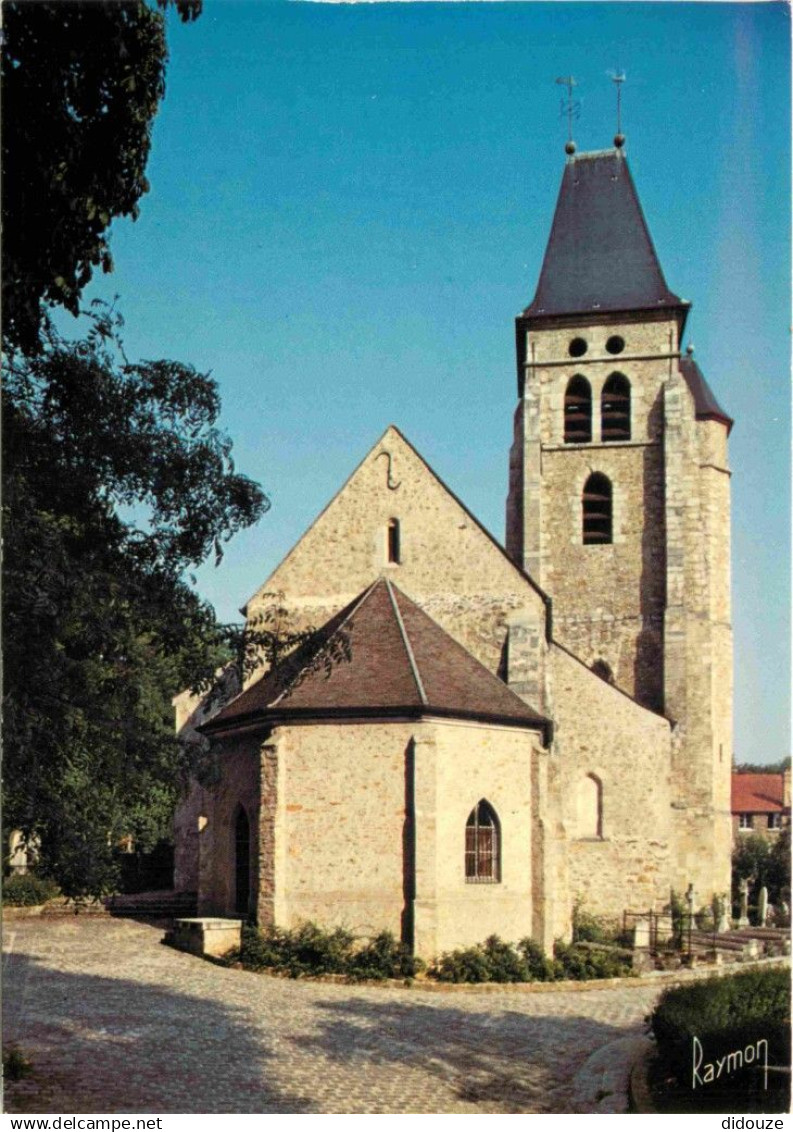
(577, 348)
(615, 344)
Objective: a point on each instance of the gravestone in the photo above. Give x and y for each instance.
(762, 906)
(743, 915)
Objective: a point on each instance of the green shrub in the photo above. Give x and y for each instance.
(384, 958)
(574, 961)
(27, 889)
(724, 1014)
(15, 1064)
(465, 965)
(593, 929)
(310, 950)
(494, 961)
(540, 968)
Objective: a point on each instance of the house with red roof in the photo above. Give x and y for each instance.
(760, 803)
(474, 736)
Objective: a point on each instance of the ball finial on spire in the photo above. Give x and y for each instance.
(570, 147)
(619, 140)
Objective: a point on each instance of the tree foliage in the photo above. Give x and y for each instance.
(763, 864)
(116, 481)
(82, 82)
(763, 768)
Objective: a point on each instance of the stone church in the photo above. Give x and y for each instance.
(479, 736)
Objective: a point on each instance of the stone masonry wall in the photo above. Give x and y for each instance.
(603, 735)
(471, 762)
(698, 644)
(448, 564)
(608, 599)
(238, 784)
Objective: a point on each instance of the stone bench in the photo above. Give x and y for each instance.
(205, 935)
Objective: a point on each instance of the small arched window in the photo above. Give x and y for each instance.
(393, 549)
(589, 807)
(615, 408)
(578, 411)
(596, 508)
(482, 845)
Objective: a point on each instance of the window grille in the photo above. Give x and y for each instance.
(482, 846)
(597, 510)
(615, 408)
(578, 411)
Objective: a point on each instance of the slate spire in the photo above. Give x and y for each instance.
(600, 256)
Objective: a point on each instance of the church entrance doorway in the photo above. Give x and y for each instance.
(242, 862)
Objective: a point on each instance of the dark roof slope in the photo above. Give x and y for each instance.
(600, 256)
(380, 656)
(706, 407)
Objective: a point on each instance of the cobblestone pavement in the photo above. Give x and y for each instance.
(115, 1022)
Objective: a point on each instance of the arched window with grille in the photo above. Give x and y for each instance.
(482, 845)
(615, 408)
(597, 510)
(578, 411)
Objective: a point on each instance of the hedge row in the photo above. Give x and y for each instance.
(309, 950)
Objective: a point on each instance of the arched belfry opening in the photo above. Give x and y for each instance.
(615, 408)
(596, 507)
(242, 862)
(578, 411)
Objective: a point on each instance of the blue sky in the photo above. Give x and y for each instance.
(350, 204)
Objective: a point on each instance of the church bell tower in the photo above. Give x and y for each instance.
(618, 502)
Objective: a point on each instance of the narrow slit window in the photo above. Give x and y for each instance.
(597, 510)
(616, 408)
(393, 548)
(578, 411)
(482, 845)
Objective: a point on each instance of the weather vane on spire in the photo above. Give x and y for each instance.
(572, 110)
(618, 78)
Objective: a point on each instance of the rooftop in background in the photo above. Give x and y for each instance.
(600, 256)
(382, 656)
(760, 793)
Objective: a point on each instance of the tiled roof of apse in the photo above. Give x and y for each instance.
(385, 657)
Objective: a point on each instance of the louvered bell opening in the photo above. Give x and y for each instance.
(616, 409)
(578, 413)
(597, 512)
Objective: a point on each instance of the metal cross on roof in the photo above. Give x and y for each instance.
(573, 107)
(618, 78)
